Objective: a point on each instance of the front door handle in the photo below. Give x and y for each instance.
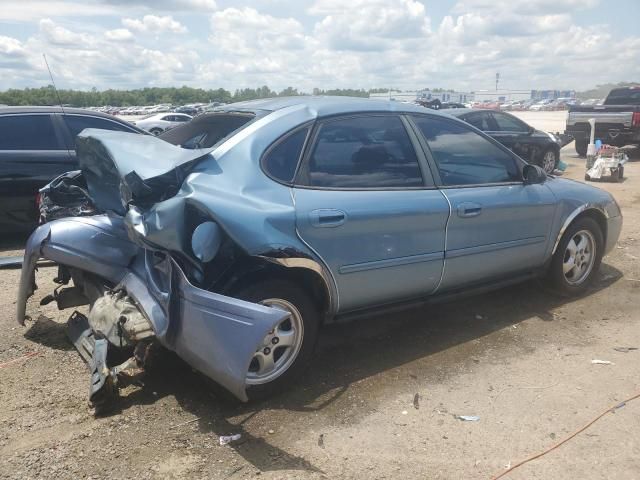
(327, 217)
(469, 209)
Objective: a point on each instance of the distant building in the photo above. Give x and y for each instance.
(552, 94)
(426, 94)
(501, 95)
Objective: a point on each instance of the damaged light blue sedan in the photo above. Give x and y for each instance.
(235, 246)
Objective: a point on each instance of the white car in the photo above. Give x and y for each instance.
(161, 122)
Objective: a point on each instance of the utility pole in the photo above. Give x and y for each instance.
(497, 80)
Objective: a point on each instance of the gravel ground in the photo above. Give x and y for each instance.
(519, 359)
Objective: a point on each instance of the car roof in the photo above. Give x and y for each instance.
(55, 109)
(325, 105)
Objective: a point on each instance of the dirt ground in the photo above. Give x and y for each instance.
(519, 359)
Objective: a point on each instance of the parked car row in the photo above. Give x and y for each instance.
(296, 212)
(521, 105)
(192, 109)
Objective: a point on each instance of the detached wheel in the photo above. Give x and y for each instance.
(581, 147)
(549, 160)
(577, 258)
(287, 350)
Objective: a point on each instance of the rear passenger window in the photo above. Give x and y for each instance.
(28, 132)
(464, 157)
(364, 152)
(281, 161)
(77, 123)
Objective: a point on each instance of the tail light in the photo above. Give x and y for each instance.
(635, 119)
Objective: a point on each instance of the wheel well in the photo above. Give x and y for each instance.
(260, 270)
(599, 217)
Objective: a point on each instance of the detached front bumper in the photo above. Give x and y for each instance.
(215, 334)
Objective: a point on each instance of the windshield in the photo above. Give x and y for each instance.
(207, 130)
(623, 96)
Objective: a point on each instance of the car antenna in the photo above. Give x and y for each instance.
(53, 83)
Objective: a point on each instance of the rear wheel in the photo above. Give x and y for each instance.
(577, 258)
(287, 350)
(156, 131)
(581, 147)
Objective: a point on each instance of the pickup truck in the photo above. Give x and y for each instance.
(617, 120)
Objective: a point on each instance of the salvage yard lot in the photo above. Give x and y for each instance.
(519, 359)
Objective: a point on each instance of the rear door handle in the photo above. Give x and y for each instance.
(327, 217)
(469, 209)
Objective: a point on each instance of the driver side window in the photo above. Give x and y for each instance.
(464, 157)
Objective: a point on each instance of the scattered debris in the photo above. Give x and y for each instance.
(416, 401)
(404, 412)
(625, 349)
(187, 423)
(321, 440)
(601, 362)
(225, 439)
(480, 317)
(468, 418)
(19, 359)
(271, 432)
(633, 279)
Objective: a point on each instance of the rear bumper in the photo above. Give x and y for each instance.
(215, 334)
(611, 135)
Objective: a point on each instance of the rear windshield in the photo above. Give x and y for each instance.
(623, 96)
(207, 130)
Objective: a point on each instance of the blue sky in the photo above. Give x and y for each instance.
(405, 44)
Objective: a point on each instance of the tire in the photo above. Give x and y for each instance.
(581, 147)
(576, 280)
(156, 131)
(546, 163)
(293, 359)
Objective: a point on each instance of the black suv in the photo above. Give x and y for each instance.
(36, 145)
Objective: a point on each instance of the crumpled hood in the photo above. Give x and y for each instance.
(122, 168)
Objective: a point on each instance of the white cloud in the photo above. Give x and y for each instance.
(177, 5)
(327, 44)
(11, 47)
(118, 35)
(154, 24)
(58, 35)
(369, 24)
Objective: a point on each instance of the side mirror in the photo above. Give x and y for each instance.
(533, 174)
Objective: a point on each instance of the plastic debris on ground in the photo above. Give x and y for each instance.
(468, 418)
(226, 439)
(562, 166)
(601, 362)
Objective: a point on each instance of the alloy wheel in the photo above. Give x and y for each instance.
(549, 161)
(579, 257)
(280, 346)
